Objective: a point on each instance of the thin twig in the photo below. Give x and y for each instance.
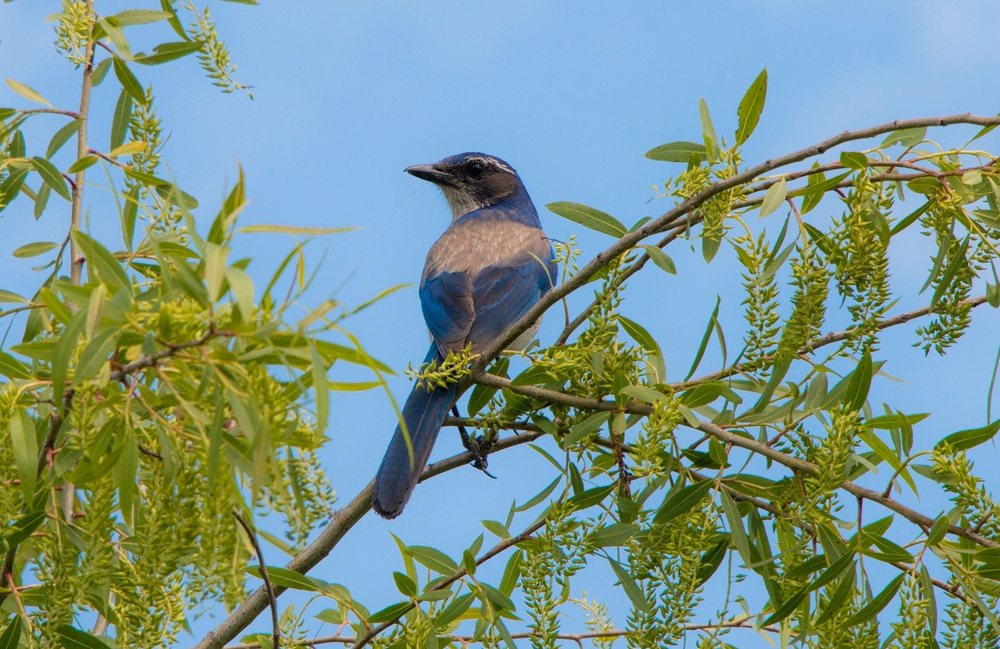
(276, 628)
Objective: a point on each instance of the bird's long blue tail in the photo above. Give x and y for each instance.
(423, 414)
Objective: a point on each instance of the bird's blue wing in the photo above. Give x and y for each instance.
(446, 300)
(502, 294)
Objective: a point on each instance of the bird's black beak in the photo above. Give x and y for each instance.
(430, 173)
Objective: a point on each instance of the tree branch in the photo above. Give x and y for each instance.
(343, 520)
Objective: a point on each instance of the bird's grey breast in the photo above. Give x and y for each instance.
(473, 245)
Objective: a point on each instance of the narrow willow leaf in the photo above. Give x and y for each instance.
(113, 29)
(906, 137)
(434, 559)
(320, 392)
(613, 535)
(34, 249)
(677, 152)
(286, 578)
(25, 443)
(589, 217)
(72, 638)
(854, 160)
(590, 497)
(643, 393)
(41, 200)
(62, 136)
(966, 439)
(86, 162)
(631, 588)
(511, 573)
(639, 334)
(860, 383)
(120, 119)
(129, 148)
(28, 93)
(661, 259)
(140, 17)
(165, 52)
(588, 426)
(682, 501)
(52, 177)
(774, 197)
(6, 297)
(540, 496)
(879, 602)
(712, 319)
(751, 107)
(707, 129)
(737, 532)
(11, 634)
(100, 261)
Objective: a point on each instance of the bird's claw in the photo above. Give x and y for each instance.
(478, 446)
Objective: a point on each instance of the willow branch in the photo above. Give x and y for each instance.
(827, 339)
(342, 522)
(275, 627)
(668, 220)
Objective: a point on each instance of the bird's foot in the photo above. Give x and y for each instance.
(479, 446)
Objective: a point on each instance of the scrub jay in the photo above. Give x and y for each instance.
(489, 267)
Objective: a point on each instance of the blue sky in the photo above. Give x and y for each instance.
(347, 94)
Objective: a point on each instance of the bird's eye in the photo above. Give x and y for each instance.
(476, 169)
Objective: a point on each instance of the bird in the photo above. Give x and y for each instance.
(490, 266)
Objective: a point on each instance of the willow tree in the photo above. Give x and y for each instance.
(159, 402)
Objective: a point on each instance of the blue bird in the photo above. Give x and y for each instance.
(486, 271)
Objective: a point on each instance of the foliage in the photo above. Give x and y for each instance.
(156, 394)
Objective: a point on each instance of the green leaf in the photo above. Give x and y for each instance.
(589, 217)
(613, 535)
(51, 176)
(774, 197)
(737, 532)
(167, 52)
(62, 136)
(27, 92)
(120, 119)
(100, 261)
(41, 200)
(966, 439)
(6, 297)
(130, 83)
(454, 610)
(631, 588)
(140, 17)
(511, 573)
(712, 326)
(643, 393)
(854, 160)
(286, 578)
(540, 496)
(590, 497)
(907, 137)
(496, 528)
(707, 128)
(860, 383)
(71, 638)
(677, 152)
(682, 501)
(661, 259)
(114, 31)
(588, 426)
(639, 334)
(389, 613)
(751, 107)
(34, 249)
(434, 559)
(86, 162)
(11, 634)
(879, 602)
(25, 442)
(404, 584)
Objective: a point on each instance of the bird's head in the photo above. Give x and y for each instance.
(471, 181)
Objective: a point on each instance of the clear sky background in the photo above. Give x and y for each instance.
(347, 94)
